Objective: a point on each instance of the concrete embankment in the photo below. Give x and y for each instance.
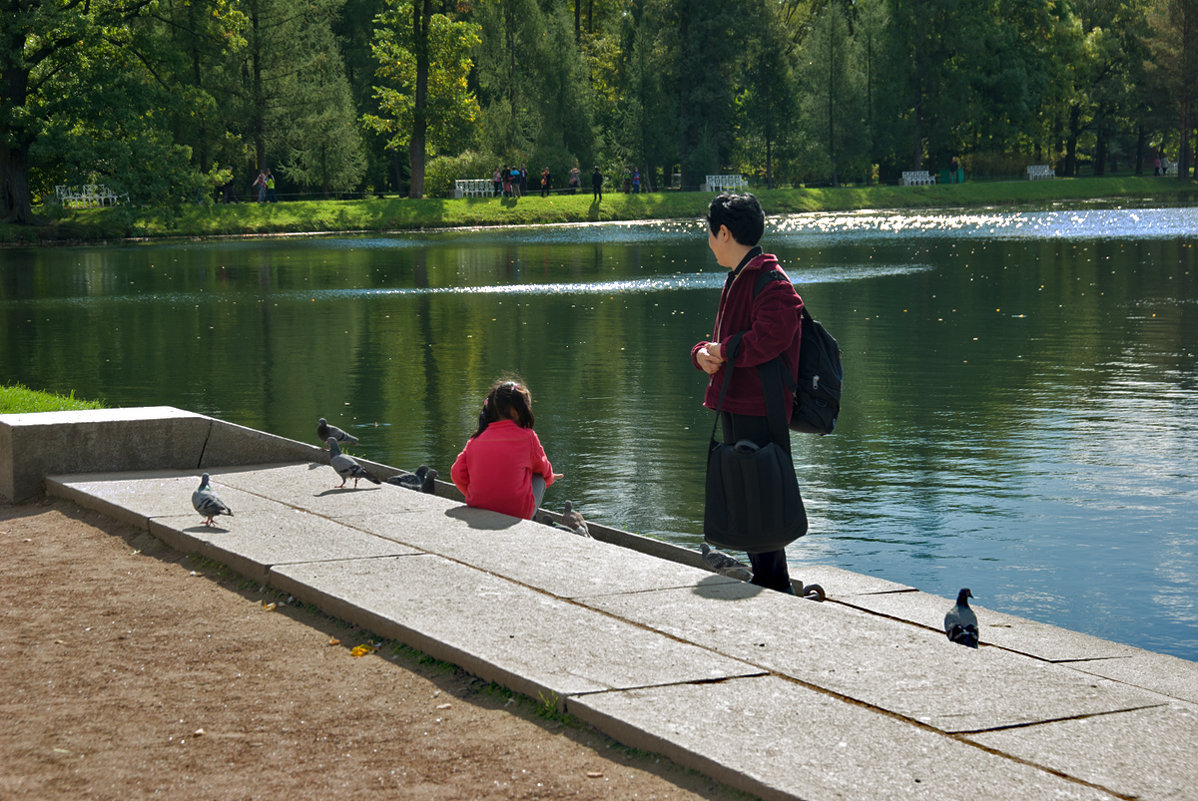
(858, 697)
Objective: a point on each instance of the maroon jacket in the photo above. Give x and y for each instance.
(771, 325)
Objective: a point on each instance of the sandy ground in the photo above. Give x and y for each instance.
(128, 671)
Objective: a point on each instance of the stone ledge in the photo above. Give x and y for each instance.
(33, 446)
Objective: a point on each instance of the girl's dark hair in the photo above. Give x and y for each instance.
(505, 396)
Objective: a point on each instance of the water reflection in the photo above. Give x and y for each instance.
(1021, 387)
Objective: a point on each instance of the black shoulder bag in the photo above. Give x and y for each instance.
(753, 502)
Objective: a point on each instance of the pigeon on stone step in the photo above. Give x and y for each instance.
(324, 431)
(207, 504)
(423, 480)
(724, 564)
(574, 521)
(347, 467)
(960, 623)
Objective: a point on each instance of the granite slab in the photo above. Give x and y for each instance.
(1013, 633)
(549, 559)
(533, 643)
(888, 664)
(779, 740)
(1146, 754)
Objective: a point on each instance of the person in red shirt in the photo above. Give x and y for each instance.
(770, 322)
(503, 466)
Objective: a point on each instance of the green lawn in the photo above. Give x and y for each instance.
(396, 213)
(17, 399)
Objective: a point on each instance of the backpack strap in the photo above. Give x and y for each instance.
(775, 374)
(729, 364)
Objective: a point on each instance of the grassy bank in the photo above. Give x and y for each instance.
(395, 213)
(17, 399)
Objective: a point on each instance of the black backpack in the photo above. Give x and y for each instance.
(816, 382)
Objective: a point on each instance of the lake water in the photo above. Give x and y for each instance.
(1021, 387)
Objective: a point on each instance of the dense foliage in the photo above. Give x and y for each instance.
(173, 101)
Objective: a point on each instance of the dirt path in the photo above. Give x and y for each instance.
(129, 671)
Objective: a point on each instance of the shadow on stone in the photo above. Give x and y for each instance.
(482, 518)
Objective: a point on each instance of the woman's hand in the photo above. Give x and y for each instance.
(710, 358)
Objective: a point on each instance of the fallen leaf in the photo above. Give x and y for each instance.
(270, 607)
(362, 650)
(334, 641)
(594, 774)
(199, 732)
(444, 706)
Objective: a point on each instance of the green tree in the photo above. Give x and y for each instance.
(830, 104)
(768, 98)
(289, 50)
(425, 103)
(706, 37)
(322, 147)
(1174, 68)
(43, 49)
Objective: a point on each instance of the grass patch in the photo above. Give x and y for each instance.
(405, 214)
(18, 399)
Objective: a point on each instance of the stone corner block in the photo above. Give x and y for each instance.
(35, 445)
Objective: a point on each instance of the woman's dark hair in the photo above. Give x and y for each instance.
(741, 213)
(505, 397)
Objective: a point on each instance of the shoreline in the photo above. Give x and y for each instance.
(399, 215)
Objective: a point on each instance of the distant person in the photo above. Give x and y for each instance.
(514, 179)
(545, 182)
(636, 181)
(575, 180)
(627, 180)
(260, 185)
(270, 187)
(503, 466)
(524, 179)
(228, 192)
(507, 181)
(597, 184)
(1156, 165)
(497, 180)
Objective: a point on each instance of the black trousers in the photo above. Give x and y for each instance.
(769, 567)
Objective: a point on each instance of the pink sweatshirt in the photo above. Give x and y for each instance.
(494, 471)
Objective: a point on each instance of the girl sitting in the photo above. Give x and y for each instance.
(503, 466)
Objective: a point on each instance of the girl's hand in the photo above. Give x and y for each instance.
(556, 476)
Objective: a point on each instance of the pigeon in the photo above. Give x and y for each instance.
(324, 431)
(423, 480)
(347, 467)
(206, 503)
(573, 520)
(960, 623)
(724, 564)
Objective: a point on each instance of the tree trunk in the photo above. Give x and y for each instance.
(1071, 142)
(1141, 140)
(15, 204)
(422, 15)
(258, 122)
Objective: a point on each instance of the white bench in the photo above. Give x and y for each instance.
(1168, 167)
(87, 195)
(473, 187)
(1040, 172)
(918, 178)
(723, 183)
